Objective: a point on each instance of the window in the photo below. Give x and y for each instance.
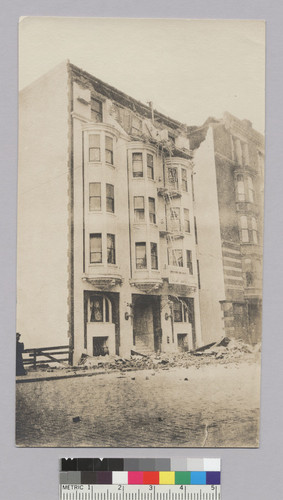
(249, 278)
(240, 188)
(100, 309)
(175, 218)
(244, 229)
(176, 257)
(94, 196)
(110, 198)
(193, 188)
(96, 309)
(111, 257)
(136, 125)
(184, 180)
(189, 261)
(177, 311)
(187, 225)
(96, 110)
(251, 189)
(95, 248)
(94, 147)
(254, 230)
(139, 208)
(141, 256)
(137, 165)
(196, 231)
(150, 173)
(173, 177)
(151, 209)
(109, 150)
(153, 254)
(198, 274)
(260, 161)
(245, 153)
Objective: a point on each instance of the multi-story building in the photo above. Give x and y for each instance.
(228, 185)
(106, 239)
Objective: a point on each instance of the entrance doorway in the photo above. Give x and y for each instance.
(147, 333)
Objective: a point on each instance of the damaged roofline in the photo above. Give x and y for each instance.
(128, 101)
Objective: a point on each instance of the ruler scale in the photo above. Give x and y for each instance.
(144, 492)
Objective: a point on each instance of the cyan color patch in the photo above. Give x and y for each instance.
(198, 477)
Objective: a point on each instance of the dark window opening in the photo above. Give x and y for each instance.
(111, 254)
(150, 172)
(110, 198)
(96, 110)
(154, 257)
(189, 261)
(151, 208)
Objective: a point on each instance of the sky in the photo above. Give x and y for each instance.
(189, 69)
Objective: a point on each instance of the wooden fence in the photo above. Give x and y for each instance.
(37, 356)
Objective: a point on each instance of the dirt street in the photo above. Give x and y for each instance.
(208, 405)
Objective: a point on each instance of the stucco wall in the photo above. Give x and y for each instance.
(43, 211)
(209, 242)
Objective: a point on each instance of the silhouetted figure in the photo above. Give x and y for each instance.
(19, 357)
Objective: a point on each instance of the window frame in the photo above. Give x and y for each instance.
(136, 174)
(152, 214)
(154, 256)
(150, 167)
(189, 261)
(94, 196)
(139, 245)
(254, 230)
(251, 189)
(109, 151)
(111, 250)
(94, 112)
(241, 195)
(173, 261)
(110, 199)
(244, 224)
(94, 148)
(173, 181)
(187, 220)
(139, 211)
(92, 237)
(184, 179)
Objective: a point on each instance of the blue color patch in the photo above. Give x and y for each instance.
(198, 477)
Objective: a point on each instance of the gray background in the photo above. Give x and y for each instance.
(246, 474)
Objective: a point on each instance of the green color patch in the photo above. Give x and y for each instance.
(183, 477)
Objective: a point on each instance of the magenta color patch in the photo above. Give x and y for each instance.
(135, 477)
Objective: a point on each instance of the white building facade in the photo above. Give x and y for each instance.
(118, 227)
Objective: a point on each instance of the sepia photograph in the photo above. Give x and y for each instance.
(140, 232)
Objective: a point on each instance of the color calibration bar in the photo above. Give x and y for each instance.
(106, 471)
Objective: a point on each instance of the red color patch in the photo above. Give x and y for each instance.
(151, 477)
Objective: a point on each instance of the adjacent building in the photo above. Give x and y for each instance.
(229, 180)
(136, 233)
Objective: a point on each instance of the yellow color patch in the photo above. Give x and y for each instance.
(167, 477)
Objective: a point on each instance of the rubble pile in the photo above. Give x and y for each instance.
(225, 351)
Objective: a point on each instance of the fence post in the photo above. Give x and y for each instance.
(34, 358)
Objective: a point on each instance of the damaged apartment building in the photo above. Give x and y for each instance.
(127, 230)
